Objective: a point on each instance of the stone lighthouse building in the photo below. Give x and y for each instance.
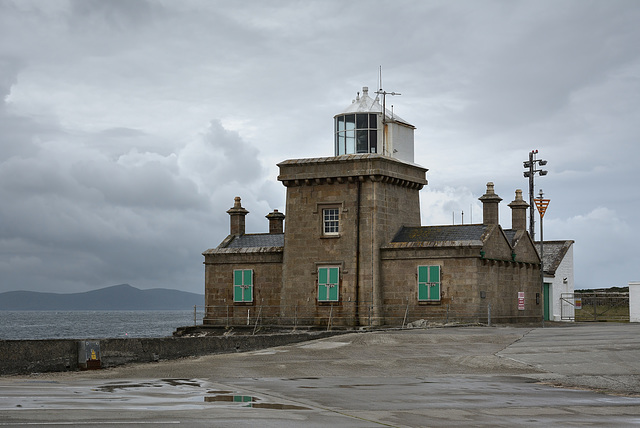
(352, 251)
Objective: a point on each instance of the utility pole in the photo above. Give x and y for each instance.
(530, 166)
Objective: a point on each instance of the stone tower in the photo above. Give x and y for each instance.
(340, 211)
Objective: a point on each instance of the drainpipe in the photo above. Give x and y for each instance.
(357, 285)
(375, 262)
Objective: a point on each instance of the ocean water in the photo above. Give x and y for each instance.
(28, 325)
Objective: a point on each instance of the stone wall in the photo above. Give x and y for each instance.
(267, 282)
(502, 280)
(468, 285)
(31, 356)
(306, 248)
(375, 196)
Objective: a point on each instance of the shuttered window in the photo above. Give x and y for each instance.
(429, 283)
(328, 284)
(243, 285)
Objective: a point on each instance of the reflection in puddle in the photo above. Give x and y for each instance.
(278, 406)
(231, 398)
(187, 388)
(251, 401)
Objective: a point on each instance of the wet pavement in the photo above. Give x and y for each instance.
(472, 376)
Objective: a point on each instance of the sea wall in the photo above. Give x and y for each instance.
(31, 356)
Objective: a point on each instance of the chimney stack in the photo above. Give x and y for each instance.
(490, 203)
(237, 214)
(276, 220)
(518, 212)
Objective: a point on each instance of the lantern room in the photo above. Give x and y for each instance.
(363, 128)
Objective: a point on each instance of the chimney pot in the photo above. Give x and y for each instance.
(490, 203)
(237, 214)
(276, 220)
(519, 212)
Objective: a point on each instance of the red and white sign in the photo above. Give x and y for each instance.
(521, 300)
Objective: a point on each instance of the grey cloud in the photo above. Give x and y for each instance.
(221, 156)
(111, 169)
(151, 185)
(541, 66)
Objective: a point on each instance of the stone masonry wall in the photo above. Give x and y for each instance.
(306, 249)
(388, 199)
(267, 281)
(468, 285)
(30, 356)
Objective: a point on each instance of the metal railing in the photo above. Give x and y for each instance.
(602, 306)
(349, 314)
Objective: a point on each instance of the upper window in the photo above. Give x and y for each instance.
(356, 133)
(331, 221)
(429, 283)
(243, 285)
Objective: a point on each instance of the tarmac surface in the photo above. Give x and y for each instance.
(574, 375)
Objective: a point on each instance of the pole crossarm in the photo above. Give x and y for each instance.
(531, 167)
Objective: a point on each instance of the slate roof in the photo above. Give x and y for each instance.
(511, 235)
(250, 243)
(453, 235)
(554, 252)
(253, 240)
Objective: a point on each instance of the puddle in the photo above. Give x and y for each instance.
(116, 386)
(179, 382)
(365, 385)
(303, 378)
(112, 387)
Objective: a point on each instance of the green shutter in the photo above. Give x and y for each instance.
(429, 283)
(322, 284)
(434, 282)
(333, 284)
(243, 285)
(423, 278)
(237, 286)
(328, 281)
(248, 286)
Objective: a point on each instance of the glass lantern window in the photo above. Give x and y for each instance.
(356, 133)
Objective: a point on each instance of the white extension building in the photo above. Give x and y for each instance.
(558, 280)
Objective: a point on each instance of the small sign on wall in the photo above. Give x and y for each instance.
(578, 303)
(521, 300)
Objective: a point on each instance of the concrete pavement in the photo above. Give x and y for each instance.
(471, 376)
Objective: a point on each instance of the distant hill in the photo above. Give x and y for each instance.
(121, 297)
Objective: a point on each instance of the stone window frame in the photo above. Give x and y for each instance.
(320, 207)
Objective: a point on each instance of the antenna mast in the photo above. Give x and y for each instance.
(384, 94)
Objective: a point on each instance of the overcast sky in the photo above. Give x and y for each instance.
(128, 126)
